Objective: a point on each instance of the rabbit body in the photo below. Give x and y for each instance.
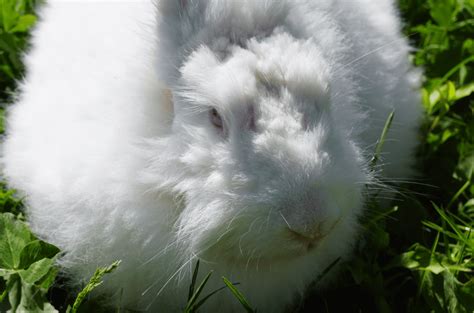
(236, 132)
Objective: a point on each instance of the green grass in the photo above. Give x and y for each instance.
(416, 256)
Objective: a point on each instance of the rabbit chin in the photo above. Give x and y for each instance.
(273, 281)
(258, 261)
(270, 251)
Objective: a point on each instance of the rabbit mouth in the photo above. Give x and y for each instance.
(293, 246)
(290, 246)
(266, 250)
(257, 262)
(311, 239)
(309, 242)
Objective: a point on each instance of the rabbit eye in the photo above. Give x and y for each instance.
(216, 119)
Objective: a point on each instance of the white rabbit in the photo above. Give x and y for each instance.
(237, 132)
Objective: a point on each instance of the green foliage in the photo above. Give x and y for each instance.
(193, 304)
(445, 280)
(448, 56)
(8, 201)
(26, 267)
(16, 19)
(94, 282)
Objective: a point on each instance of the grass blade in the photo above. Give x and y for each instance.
(193, 281)
(94, 282)
(327, 270)
(190, 307)
(454, 227)
(201, 302)
(381, 141)
(238, 295)
(423, 275)
(458, 193)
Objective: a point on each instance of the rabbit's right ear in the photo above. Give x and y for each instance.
(172, 7)
(178, 21)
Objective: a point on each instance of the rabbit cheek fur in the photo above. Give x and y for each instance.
(245, 145)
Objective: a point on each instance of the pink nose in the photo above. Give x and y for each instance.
(310, 235)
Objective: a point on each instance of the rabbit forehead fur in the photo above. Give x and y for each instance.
(112, 171)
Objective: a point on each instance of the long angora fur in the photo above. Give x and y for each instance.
(235, 132)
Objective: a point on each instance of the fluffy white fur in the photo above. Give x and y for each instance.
(113, 167)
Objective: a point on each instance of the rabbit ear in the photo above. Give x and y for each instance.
(177, 22)
(172, 7)
(183, 15)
